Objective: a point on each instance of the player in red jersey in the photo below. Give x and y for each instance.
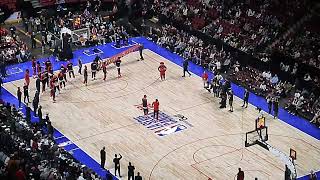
(205, 79)
(53, 92)
(162, 69)
(155, 106)
(104, 70)
(34, 67)
(27, 77)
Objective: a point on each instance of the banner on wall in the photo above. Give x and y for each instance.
(126, 52)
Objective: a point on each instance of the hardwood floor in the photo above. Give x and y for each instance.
(212, 145)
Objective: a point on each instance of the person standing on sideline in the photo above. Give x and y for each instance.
(35, 104)
(245, 98)
(275, 107)
(104, 70)
(205, 79)
(118, 63)
(240, 175)
(1, 83)
(38, 84)
(138, 177)
(26, 93)
(185, 67)
(28, 113)
(40, 114)
(19, 94)
(80, 65)
(33, 40)
(287, 173)
(85, 75)
(155, 106)
(116, 161)
(103, 157)
(141, 47)
(223, 101)
(70, 69)
(231, 100)
(313, 175)
(130, 171)
(162, 69)
(269, 101)
(145, 105)
(94, 67)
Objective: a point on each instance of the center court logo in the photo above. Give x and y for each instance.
(165, 124)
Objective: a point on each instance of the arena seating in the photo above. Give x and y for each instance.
(10, 3)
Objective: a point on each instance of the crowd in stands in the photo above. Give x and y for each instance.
(29, 152)
(100, 29)
(12, 49)
(245, 25)
(303, 45)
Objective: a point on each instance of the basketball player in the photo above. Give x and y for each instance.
(94, 67)
(103, 157)
(162, 69)
(27, 77)
(131, 169)
(269, 101)
(85, 75)
(26, 93)
(245, 98)
(240, 175)
(118, 63)
(38, 66)
(138, 177)
(205, 79)
(116, 161)
(145, 105)
(38, 83)
(43, 82)
(140, 51)
(34, 68)
(70, 69)
(185, 67)
(52, 92)
(61, 80)
(231, 100)
(19, 94)
(63, 70)
(56, 83)
(80, 65)
(104, 70)
(223, 99)
(275, 107)
(155, 106)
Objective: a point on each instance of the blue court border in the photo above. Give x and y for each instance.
(295, 121)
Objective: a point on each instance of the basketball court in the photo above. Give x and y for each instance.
(193, 138)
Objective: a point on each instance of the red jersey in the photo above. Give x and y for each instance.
(155, 105)
(162, 68)
(27, 78)
(33, 61)
(20, 175)
(205, 76)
